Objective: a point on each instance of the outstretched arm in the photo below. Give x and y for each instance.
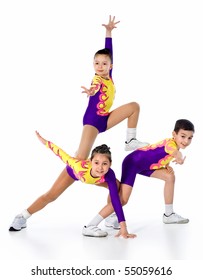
(178, 157)
(56, 150)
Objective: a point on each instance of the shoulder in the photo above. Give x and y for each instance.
(170, 145)
(97, 79)
(110, 174)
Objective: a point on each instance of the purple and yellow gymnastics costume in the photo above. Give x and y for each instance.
(100, 103)
(81, 170)
(146, 160)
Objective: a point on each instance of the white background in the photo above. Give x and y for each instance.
(46, 55)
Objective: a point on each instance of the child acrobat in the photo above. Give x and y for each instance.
(96, 170)
(153, 161)
(98, 118)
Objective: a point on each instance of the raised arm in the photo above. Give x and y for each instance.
(108, 38)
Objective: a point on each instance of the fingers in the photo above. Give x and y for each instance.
(111, 24)
(41, 139)
(37, 133)
(126, 235)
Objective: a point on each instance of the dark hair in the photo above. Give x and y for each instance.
(184, 124)
(102, 149)
(105, 52)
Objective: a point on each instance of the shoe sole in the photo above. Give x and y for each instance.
(134, 149)
(14, 229)
(90, 235)
(128, 150)
(182, 222)
(110, 226)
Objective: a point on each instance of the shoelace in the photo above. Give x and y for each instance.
(128, 142)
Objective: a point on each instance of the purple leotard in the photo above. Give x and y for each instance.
(146, 160)
(97, 112)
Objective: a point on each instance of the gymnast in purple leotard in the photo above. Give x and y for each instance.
(153, 161)
(103, 91)
(97, 117)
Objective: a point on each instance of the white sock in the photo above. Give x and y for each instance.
(26, 214)
(131, 133)
(96, 220)
(168, 209)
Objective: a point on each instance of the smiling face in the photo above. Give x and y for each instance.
(100, 165)
(102, 65)
(183, 138)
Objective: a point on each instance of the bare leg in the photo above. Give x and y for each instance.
(128, 111)
(169, 179)
(60, 185)
(169, 217)
(89, 135)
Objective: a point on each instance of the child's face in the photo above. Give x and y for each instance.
(102, 65)
(100, 165)
(183, 138)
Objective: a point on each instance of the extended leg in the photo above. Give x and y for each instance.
(60, 185)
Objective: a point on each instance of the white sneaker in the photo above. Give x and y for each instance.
(112, 221)
(134, 144)
(18, 223)
(93, 231)
(174, 219)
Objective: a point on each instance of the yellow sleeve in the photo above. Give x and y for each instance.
(96, 83)
(60, 153)
(170, 146)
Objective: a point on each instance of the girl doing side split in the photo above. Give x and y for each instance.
(95, 170)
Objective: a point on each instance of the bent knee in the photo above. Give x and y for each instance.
(170, 177)
(135, 106)
(124, 201)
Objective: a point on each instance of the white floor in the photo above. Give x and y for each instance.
(51, 241)
(55, 232)
(56, 241)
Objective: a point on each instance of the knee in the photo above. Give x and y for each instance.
(170, 178)
(135, 106)
(81, 155)
(124, 201)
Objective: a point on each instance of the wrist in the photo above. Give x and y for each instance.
(123, 225)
